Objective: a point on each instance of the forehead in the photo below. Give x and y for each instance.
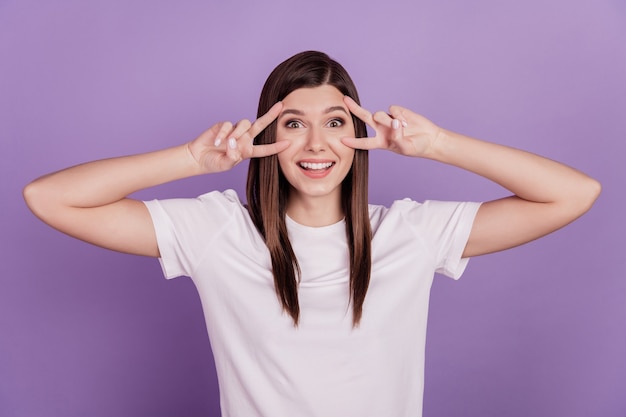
(314, 99)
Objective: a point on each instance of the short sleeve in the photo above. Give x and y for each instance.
(444, 227)
(186, 227)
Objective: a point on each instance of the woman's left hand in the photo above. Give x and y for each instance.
(401, 131)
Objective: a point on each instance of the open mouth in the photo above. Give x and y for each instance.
(316, 166)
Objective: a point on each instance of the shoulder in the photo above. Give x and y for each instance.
(214, 200)
(415, 213)
(213, 208)
(398, 209)
(196, 222)
(228, 200)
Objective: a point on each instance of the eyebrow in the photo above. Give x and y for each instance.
(301, 113)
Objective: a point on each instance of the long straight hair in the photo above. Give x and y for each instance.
(268, 190)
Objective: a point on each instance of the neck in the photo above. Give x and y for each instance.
(315, 211)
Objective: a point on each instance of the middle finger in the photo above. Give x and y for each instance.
(359, 111)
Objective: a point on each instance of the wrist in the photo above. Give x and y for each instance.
(438, 146)
(193, 165)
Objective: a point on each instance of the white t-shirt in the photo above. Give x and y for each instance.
(324, 367)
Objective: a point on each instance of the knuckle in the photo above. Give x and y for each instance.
(244, 124)
(395, 110)
(380, 116)
(234, 156)
(226, 126)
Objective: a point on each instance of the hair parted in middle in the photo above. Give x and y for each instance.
(268, 190)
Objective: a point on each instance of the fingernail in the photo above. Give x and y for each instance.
(217, 142)
(395, 123)
(232, 143)
(404, 124)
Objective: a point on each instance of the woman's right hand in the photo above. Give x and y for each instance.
(224, 145)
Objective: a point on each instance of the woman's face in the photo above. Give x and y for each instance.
(314, 120)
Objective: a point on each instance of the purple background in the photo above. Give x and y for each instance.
(535, 331)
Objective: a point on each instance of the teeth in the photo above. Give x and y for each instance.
(316, 165)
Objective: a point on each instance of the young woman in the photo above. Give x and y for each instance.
(315, 301)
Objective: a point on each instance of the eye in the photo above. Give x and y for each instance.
(293, 124)
(336, 123)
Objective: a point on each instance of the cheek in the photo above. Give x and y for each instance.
(285, 161)
(291, 136)
(342, 150)
(281, 159)
(350, 152)
(281, 134)
(351, 156)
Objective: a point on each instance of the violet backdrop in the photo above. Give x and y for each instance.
(535, 331)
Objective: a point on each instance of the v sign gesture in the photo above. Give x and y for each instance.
(224, 145)
(401, 131)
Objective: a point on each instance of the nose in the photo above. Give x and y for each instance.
(316, 142)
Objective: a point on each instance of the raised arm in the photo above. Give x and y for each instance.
(89, 201)
(547, 195)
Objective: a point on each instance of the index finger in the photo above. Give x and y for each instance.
(264, 121)
(259, 151)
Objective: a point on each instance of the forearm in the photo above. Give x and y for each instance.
(106, 181)
(528, 176)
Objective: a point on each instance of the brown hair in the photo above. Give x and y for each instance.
(268, 190)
